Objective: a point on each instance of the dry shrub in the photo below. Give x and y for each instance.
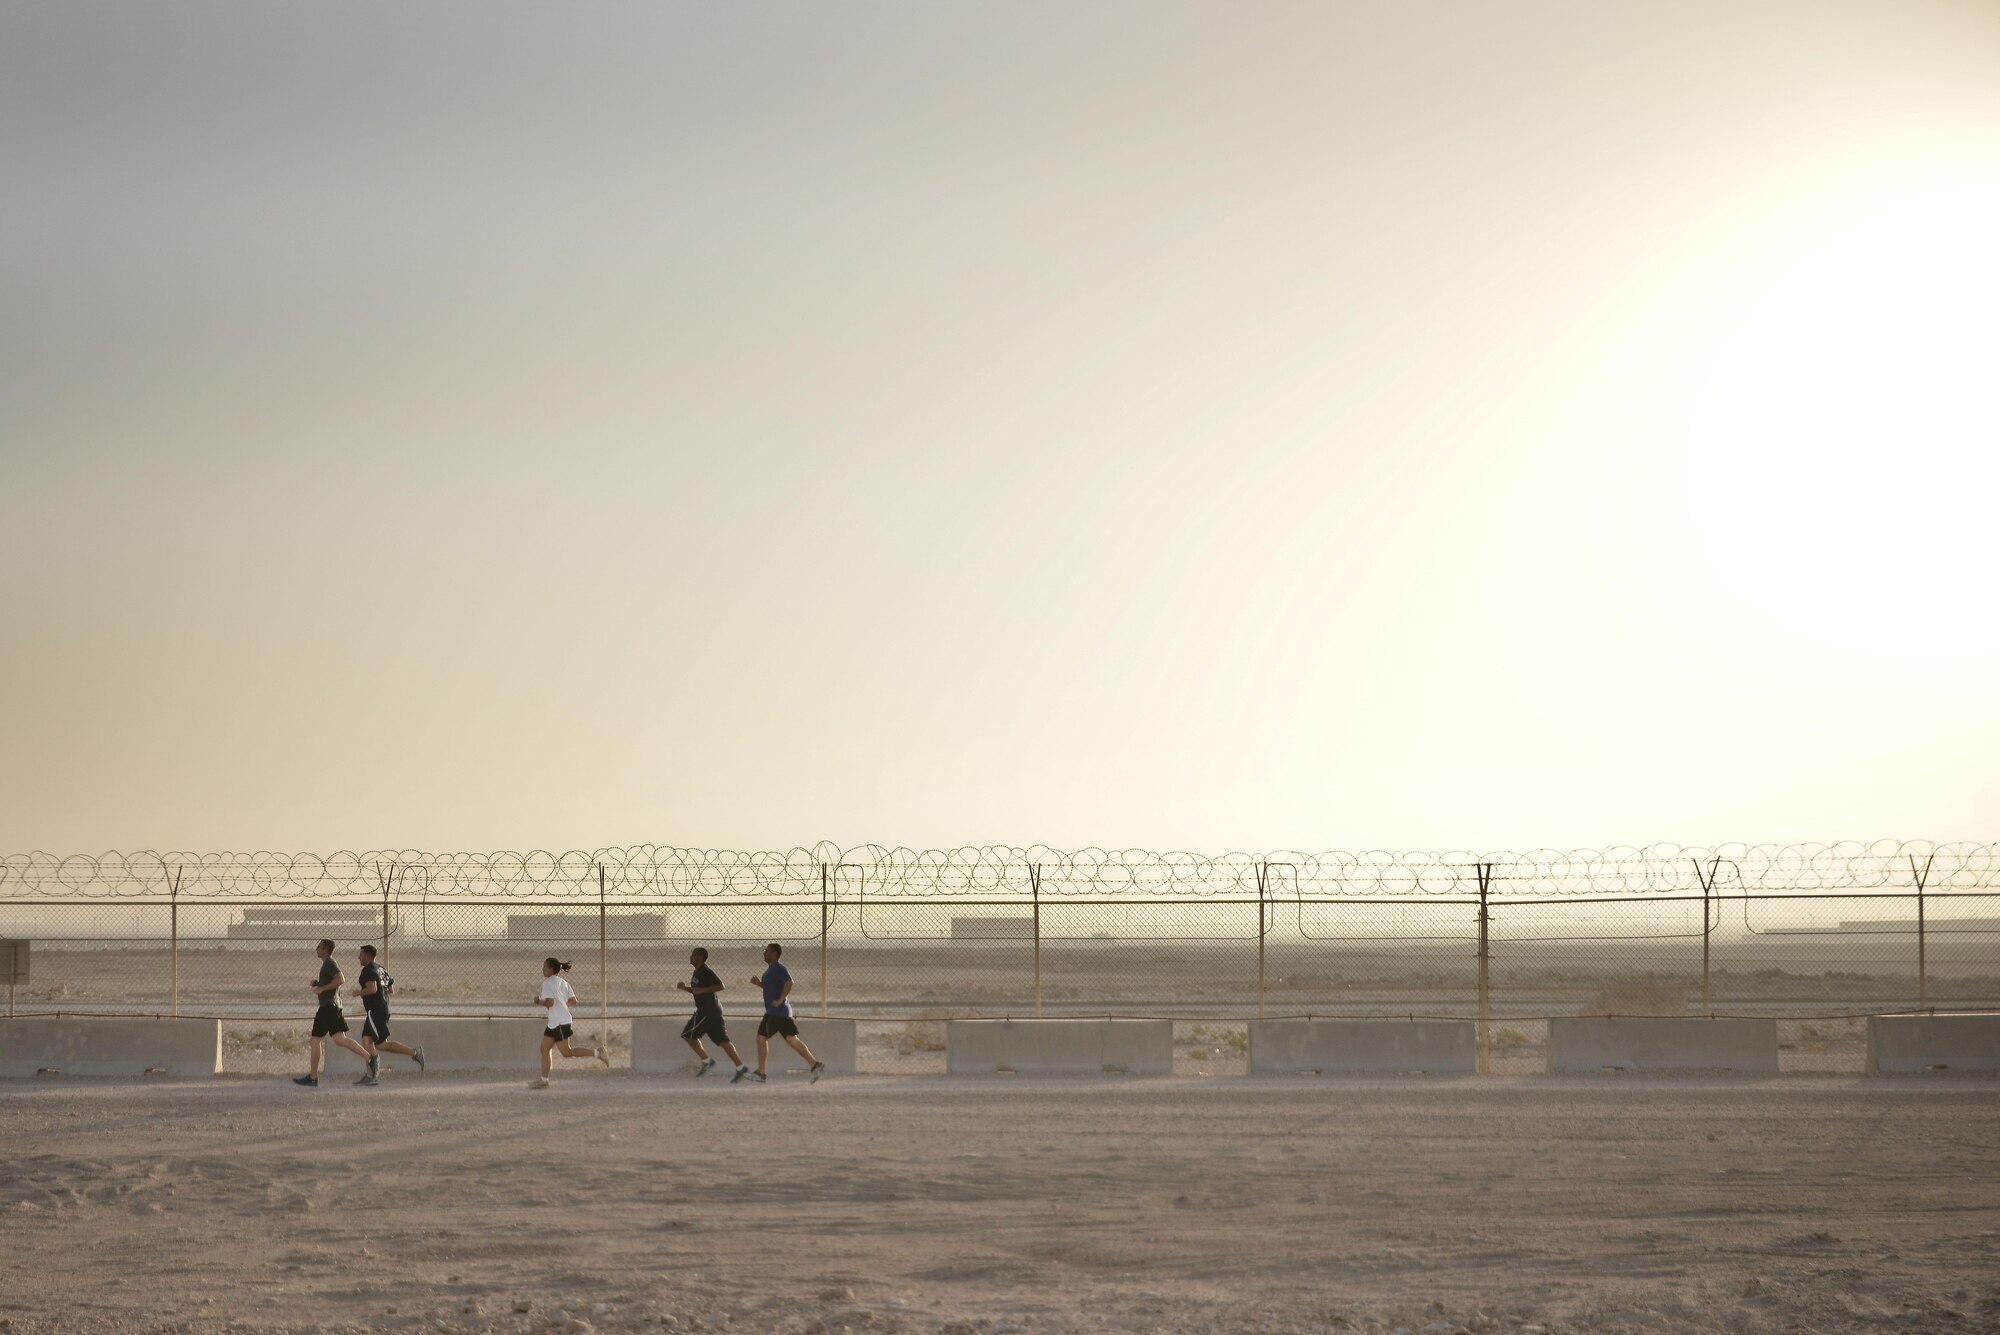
(925, 1033)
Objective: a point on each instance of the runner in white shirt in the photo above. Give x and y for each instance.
(555, 998)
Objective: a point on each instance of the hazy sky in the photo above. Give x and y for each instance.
(1211, 426)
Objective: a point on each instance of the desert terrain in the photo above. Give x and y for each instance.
(924, 1206)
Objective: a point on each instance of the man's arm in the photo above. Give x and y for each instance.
(786, 994)
(368, 989)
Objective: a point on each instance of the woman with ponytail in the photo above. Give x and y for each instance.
(555, 998)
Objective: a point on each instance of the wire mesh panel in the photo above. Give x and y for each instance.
(926, 934)
(92, 958)
(899, 957)
(1962, 950)
(1816, 955)
(1371, 957)
(1596, 957)
(1130, 957)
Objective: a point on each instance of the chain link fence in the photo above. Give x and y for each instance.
(1817, 936)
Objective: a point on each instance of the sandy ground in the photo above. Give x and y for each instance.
(920, 1206)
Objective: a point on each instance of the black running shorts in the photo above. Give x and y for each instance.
(705, 1024)
(328, 1020)
(375, 1025)
(559, 1032)
(778, 1024)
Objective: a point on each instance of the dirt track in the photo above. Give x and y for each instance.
(925, 1206)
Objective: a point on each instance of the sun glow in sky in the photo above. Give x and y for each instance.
(1848, 440)
(1294, 425)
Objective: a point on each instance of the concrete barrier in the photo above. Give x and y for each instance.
(1899, 1044)
(453, 1043)
(657, 1048)
(84, 1045)
(1334, 1046)
(1586, 1044)
(1059, 1047)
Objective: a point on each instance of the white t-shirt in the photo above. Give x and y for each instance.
(558, 990)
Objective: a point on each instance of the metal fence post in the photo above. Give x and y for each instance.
(1921, 875)
(1035, 884)
(603, 966)
(385, 909)
(173, 950)
(1262, 870)
(825, 921)
(1485, 991)
(1707, 879)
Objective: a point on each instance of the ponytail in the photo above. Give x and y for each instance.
(555, 965)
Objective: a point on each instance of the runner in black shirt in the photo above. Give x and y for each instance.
(328, 1022)
(374, 993)
(706, 1022)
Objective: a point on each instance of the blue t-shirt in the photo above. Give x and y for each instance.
(775, 978)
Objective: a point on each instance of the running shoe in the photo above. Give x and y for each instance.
(539, 1084)
(308, 1080)
(758, 1077)
(418, 1056)
(818, 1070)
(374, 1067)
(604, 1058)
(742, 1074)
(704, 1068)
(367, 1080)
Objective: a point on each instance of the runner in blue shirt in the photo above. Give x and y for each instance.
(776, 980)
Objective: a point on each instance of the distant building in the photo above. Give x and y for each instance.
(1933, 925)
(584, 926)
(307, 922)
(992, 929)
(1889, 927)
